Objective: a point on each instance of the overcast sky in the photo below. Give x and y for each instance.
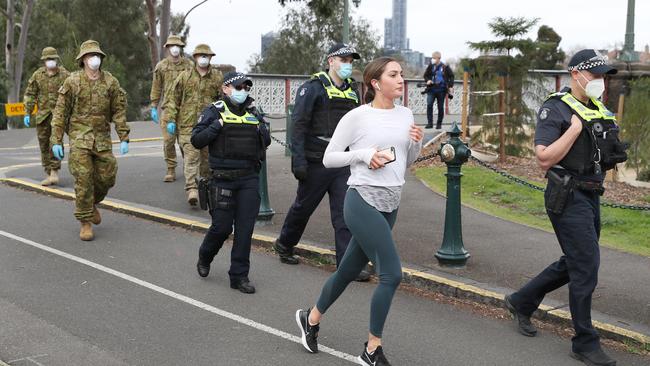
(233, 27)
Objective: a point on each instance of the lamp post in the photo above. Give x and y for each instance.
(628, 54)
(346, 19)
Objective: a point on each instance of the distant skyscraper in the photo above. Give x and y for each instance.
(267, 39)
(395, 28)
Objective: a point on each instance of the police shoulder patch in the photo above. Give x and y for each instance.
(303, 91)
(543, 113)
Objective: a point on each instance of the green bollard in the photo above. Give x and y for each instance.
(265, 213)
(454, 153)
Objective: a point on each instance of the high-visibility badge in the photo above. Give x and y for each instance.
(17, 109)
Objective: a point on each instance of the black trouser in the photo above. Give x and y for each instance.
(578, 231)
(241, 208)
(439, 98)
(320, 180)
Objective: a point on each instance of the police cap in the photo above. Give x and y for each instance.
(236, 78)
(591, 61)
(342, 50)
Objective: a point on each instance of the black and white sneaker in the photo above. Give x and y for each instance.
(309, 332)
(376, 358)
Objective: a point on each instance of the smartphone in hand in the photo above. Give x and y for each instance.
(388, 151)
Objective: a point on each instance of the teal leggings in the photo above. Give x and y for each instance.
(371, 240)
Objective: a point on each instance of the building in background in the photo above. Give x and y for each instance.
(267, 39)
(395, 28)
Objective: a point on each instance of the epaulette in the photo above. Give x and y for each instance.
(218, 105)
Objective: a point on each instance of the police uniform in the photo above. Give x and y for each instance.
(572, 203)
(319, 106)
(237, 137)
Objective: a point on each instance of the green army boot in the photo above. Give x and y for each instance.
(171, 175)
(86, 232)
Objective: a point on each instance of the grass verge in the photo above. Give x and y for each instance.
(622, 229)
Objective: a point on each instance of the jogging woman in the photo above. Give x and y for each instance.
(378, 140)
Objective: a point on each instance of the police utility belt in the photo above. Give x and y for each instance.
(560, 186)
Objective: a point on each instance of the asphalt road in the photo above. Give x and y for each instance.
(132, 297)
(504, 255)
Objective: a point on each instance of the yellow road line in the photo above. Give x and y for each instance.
(461, 289)
(144, 139)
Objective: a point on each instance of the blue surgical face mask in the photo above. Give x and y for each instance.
(238, 96)
(345, 70)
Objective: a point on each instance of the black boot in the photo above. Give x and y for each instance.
(524, 325)
(594, 358)
(243, 285)
(285, 253)
(203, 269)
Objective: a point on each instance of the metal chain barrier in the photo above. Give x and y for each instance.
(283, 143)
(425, 157)
(541, 189)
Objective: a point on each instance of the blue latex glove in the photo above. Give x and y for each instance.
(26, 121)
(171, 127)
(154, 114)
(57, 150)
(124, 147)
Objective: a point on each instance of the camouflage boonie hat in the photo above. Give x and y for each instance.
(49, 53)
(202, 49)
(174, 40)
(87, 47)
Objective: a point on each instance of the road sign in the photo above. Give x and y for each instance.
(16, 109)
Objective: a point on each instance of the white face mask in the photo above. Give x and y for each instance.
(203, 61)
(94, 62)
(594, 88)
(174, 50)
(50, 64)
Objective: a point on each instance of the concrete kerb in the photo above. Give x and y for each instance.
(419, 279)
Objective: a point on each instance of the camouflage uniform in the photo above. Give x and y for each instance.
(164, 74)
(191, 93)
(90, 106)
(42, 91)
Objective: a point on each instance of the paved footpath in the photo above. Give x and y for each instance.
(132, 297)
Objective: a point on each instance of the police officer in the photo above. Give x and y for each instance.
(576, 141)
(320, 104)
(237, 137)
(42, 90)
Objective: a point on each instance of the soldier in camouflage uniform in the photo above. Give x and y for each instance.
(192, 91)
(164, 74)
(89, 100)
(42, 91)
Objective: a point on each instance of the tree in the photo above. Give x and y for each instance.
(174, 23)
(508, 55)
(547, 54)
(304, 38)
(636, 124)
(14, 58)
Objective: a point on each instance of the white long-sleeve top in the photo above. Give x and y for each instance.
(364, 130)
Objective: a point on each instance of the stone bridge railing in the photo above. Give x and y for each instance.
(274, 92)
